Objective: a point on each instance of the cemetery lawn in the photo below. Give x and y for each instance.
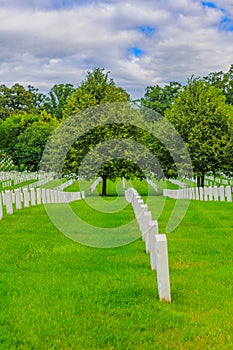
(58, 294)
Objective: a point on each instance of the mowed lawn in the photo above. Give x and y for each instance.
(58, 294)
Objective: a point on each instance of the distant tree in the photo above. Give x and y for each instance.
(10, 129)
(15, 125)
(31, 143)
(15, 100)
(160, 98)
(37, 97)
(202, 117)
(56, 100)
(223, 81)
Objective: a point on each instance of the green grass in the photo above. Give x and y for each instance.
(21, 184)
(53, 184)
(58, 294)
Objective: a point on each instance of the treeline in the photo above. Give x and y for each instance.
(201, 111)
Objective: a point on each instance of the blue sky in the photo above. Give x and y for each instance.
(140, 42)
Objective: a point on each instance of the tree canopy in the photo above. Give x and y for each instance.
(160, 98)
(15, 100)
(56, 100)
(97, 88)
(201, 111)
(12, 129)
(223, 81)
(203, 119)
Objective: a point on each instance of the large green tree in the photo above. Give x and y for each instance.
(106, 157)
(97, 88)
(113, 140)
(203, 119)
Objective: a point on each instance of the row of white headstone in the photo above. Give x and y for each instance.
(9, 179)
(152, 184)
(16, 175)
(201, 193)
(155, 243)
(18, 199)
(64, 185)
(219, 180)
(94, 185)
(41, 182)
(178, 183)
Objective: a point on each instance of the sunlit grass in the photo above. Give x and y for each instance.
(58, 294)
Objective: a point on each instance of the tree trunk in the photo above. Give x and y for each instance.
(104, 185)
(202, 179)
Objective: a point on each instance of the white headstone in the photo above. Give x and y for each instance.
(33, 196)
(210, 193)
(8, 201)
(18, 199)
(201, 193)
(1, 211)
(26, 197)
(48, 198)
(192, 193)
(139, 217)
(228, 193)
(205, 194)
(146, 218)
(55, 196)
(163, 278)
(38, 196)
(153, 231)
(221, 193)
(197, 193)
(52, 196)
(3, 198)
(215, 192)
(43, 195)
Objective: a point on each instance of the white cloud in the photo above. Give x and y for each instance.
(41, 45)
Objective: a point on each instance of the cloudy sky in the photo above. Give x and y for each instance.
(141, 42)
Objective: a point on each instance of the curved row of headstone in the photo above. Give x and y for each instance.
(155, 243)
(14, 178)
(178, 183)
(94, 185)
(152, 184)
(218, 180)
(201, 193)
(64, 185)
(16, 199)
(41, 182)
